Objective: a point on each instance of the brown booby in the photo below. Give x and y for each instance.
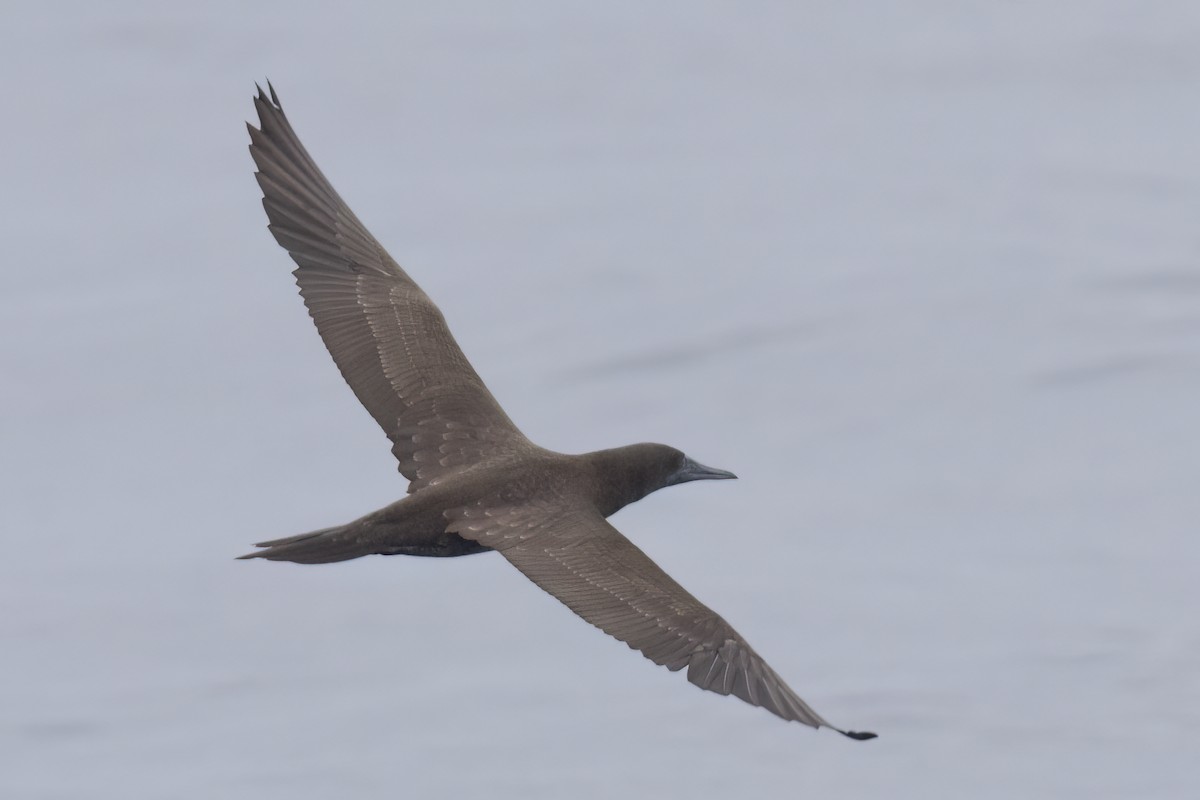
(476, 482)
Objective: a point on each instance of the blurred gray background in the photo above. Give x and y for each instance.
(924, 275)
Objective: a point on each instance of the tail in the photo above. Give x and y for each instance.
(327, 545)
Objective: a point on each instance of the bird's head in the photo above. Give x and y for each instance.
(630, 473)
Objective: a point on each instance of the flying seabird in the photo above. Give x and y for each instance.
(476, 483)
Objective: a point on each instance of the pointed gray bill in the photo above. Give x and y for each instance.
(695, 471)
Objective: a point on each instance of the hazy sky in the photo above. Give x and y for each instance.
(924, 275)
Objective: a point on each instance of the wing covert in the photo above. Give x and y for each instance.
(573, 553)
(388, 339)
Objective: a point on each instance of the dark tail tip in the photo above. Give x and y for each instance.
(859, 736)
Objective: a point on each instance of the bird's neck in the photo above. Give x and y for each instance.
(617, 479)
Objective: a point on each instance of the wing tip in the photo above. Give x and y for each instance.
(264, 100)
(269, 94)
(858, 736)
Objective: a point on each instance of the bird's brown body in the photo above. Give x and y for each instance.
(476, 483)
(607, 480)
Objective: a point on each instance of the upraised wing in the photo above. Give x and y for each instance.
(573, 553)
(389, 340)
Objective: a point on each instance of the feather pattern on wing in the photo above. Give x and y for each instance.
(573, 553)
(389, 340)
